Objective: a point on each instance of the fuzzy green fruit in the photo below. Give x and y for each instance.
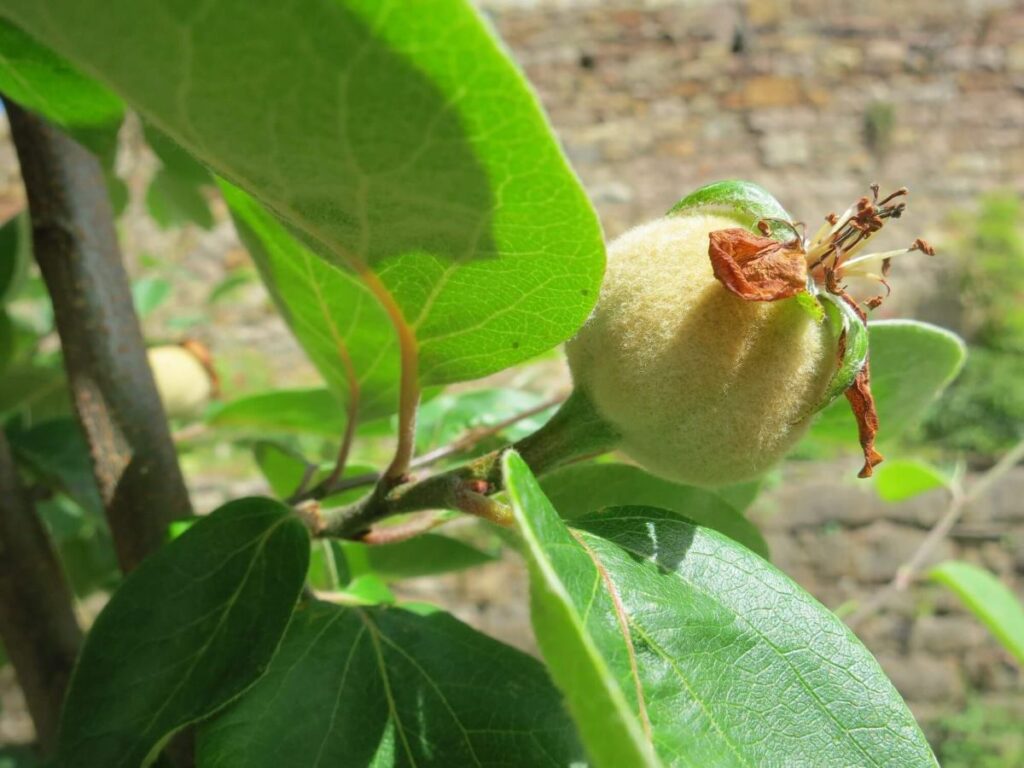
(182, 380)
(702, 386)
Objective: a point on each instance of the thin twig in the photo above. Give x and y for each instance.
(959, 500)
(392, 534)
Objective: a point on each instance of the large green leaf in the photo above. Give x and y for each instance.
(192, 628)
(988, 599)
(911, 363)
(38, 80)
(725, 659)
(388, 687)
(608, 721)
(580, 489)
(396, 141)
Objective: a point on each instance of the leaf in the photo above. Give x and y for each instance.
(43, 82)
(728, 660)
(451, 415)
(15, 252)
(57, 454)
(29, 386)
(607, 721)
(314, 411)
(902, 479)
(744, 201)
(403, 146)
(286, 469)
(335, 318)
(173, 201)
(911, 363)
(988, 599)
(188, 631)
(580, 489)
(387, 686)
(149, 293)
(424, 555)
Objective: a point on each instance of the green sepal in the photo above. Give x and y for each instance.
(842, 317)
(743, 201)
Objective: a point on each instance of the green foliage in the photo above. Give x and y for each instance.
(388, 686)
(149, 293)
(911, 363)
(993, 274)
(988, 599)
(901, 479)
(699, 636)
(879, 121)
(187, 632)
(581, 489)
(982, 414)
(57, 455)
(984, 735)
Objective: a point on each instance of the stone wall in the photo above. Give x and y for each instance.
(815, 99)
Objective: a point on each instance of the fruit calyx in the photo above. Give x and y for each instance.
(781, 263)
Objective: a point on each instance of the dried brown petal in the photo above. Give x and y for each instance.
(863, 405)
(757, 268)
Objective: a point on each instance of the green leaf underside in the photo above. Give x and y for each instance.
(729, 660)
(988, 599)
(314, 411)
(389, 687)
(192, 628)
(338, 322)
(744, 201)
(609, 727)
(842, 317)
(584, 488)
(41, 81)
(899, 480)
(404, 141)
(911, 363)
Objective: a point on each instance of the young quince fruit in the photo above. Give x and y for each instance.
(721, 330)
(184, 375)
